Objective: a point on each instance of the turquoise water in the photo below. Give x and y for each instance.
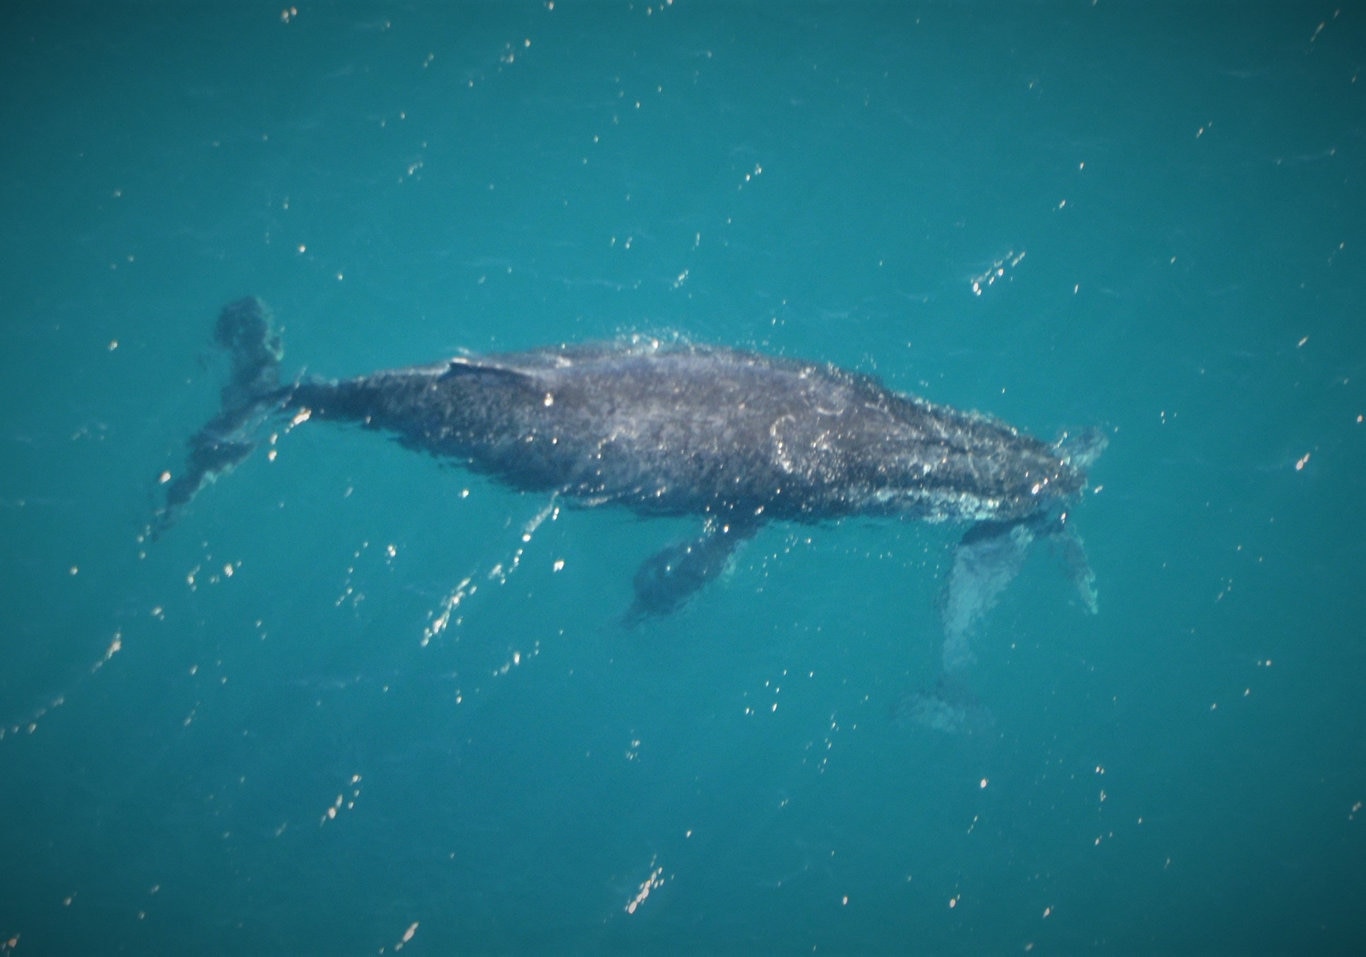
(356, 700)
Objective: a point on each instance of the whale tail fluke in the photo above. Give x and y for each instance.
(244, 330)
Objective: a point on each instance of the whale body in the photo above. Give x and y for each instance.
(677, 429)
(736, 438)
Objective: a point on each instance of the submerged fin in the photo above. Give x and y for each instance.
(671, 576)
(244, 329)
(1071, 552)
(948, 707)
(987, 560)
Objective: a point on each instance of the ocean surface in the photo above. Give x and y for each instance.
(358, 701)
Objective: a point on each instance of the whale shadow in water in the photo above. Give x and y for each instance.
(735, 438)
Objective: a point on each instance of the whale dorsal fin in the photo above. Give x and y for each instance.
(461, 366)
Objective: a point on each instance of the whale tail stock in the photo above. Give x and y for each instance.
(245, 332)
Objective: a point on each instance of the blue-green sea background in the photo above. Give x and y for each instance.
(358, 701)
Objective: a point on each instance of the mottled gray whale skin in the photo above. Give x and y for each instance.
(735, 437)
(675, 429)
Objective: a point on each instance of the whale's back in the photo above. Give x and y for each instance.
(689, 429)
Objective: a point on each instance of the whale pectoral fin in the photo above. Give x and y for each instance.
(948, 707)
(1071, 553)
(988, 558)
(668, 578)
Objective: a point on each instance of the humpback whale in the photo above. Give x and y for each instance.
(735, 438)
